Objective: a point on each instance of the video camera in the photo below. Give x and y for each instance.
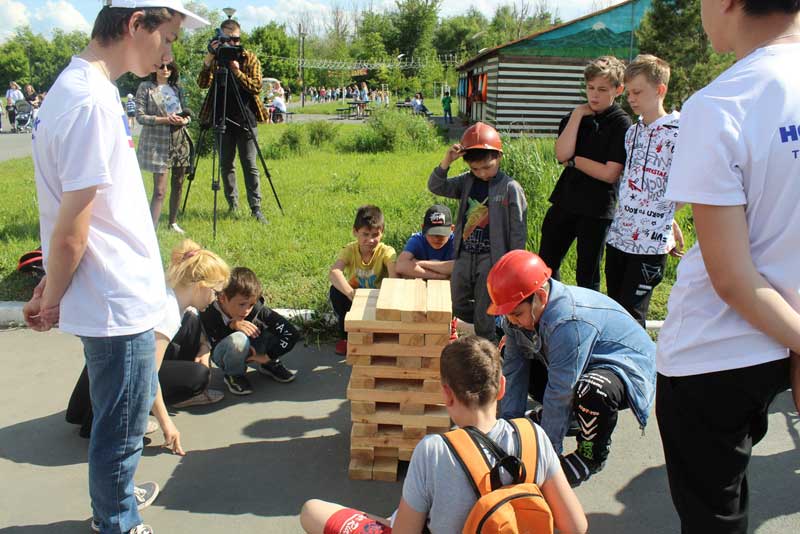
(225, 52)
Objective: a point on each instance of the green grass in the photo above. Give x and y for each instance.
(320, 191)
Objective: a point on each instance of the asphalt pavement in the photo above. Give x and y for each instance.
(252, 461)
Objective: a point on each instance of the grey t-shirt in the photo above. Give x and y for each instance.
(437, 485)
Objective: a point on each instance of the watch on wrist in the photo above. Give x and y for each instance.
(571, 163)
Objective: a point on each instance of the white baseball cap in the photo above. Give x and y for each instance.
(190, 21)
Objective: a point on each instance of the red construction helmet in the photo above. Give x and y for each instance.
(481, 135)
(515, 277)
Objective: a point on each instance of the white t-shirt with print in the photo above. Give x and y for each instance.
(169, 98)
(80, 140)
(643, 220)
(739, 146)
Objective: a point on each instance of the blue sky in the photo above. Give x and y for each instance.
(45, 15)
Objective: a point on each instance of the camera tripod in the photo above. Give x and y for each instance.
(222, 79)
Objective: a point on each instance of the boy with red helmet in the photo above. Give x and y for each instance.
(492, 219)
(598, 360)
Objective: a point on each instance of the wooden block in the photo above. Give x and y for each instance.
(416, 302)
(412, 393)
(432, 386)
(404, 455)
(385, 371)
(414, 340)
(385, 452)
(358, 360)
(362, 316)
(362, 408)
(360, 469)
(363, 300)
(361, 382)
(359, 338)
(363, 430)
(394, 349)
(434, 417)
(390, 300)
(410, 362)
(384, 469)
(432, 363)
(436, 340)
(439, 302)
(366, 454)
(414, 432)
(410, 408)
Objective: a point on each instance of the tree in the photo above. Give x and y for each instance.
(462, 34)
(415, 21)
(269, 43)
(673, 31)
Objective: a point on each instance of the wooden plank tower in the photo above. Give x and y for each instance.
(395, 337)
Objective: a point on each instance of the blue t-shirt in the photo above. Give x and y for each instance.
(422, 250)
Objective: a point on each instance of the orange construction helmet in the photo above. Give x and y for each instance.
(481, 135)
(515, 277)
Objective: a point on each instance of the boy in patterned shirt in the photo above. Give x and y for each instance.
(644, 230)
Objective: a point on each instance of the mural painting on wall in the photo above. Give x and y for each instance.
(605, 32)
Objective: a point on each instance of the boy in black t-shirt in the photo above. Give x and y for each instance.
(591, 146)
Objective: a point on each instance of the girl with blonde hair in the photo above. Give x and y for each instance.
(194, 276)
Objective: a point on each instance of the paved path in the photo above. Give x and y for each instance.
(253, 460)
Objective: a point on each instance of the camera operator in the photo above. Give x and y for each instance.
(246, 73)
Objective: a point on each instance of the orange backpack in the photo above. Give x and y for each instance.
(517, 508)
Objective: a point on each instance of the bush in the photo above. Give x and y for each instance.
(532, 162)
(392, 130)
(294, 139)
(322, 132)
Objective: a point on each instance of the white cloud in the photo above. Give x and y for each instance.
(13, 14)
(284, 11)
(63, 15)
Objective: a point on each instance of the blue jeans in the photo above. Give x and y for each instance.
(123, 383)
(231, 353)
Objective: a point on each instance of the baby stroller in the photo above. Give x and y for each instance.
(24, 119)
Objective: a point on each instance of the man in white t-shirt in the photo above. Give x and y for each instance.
(104, 279)
(724, 351)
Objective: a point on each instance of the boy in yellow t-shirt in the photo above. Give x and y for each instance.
(363, 263)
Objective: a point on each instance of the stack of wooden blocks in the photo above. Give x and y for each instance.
(395, 337)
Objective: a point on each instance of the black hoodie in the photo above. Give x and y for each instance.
(601, 138)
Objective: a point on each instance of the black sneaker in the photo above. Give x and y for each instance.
(257, 215)
(145, 493)
(238, 385)
(578, 468)
(275, 370)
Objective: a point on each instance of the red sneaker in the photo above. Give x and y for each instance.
(453, 330)
(341, 347)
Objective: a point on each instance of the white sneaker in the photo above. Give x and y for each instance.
(175, 228)
(209, 396)
(141, 529)
(145, 493)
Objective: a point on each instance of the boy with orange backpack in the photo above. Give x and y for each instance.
(444, 498)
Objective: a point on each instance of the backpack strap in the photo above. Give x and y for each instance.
(528, 442)
(471, 458)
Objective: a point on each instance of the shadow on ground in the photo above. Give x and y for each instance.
(32, 442)
(61, 527)
(774, 486)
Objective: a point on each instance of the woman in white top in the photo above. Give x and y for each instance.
(12, 95)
